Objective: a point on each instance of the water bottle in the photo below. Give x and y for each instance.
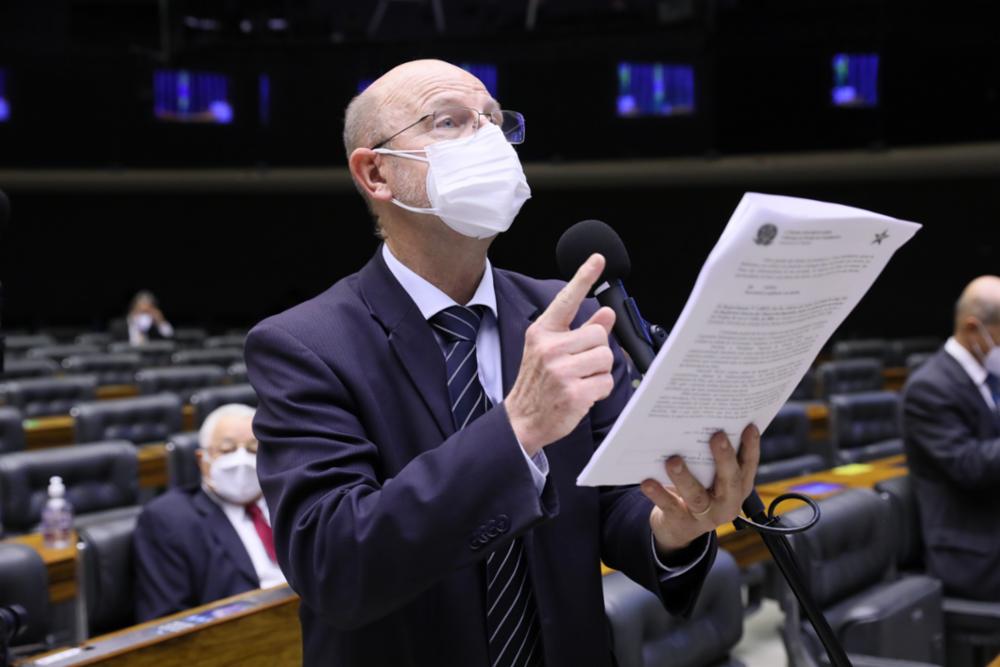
(57, 517)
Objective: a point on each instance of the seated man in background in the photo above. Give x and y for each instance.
(144, 322)
(198, 544)
(951, 428)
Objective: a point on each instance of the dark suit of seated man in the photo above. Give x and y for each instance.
(422, 422)
(951, 429)
(202, 543)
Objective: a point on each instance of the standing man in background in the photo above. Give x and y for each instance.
(423, 421)
(951, 430)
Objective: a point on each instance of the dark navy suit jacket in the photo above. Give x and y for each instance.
(952, 441)
(187, 553)
(383, 512)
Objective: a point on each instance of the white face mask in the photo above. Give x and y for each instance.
(234, 476)
(475, 184)
(991, 359)
(143, 320)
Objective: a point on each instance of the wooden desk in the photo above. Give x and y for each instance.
(58, 431)
(893, 378)
(60, 563)
(746, 546)
(819, 421)
(256, 628)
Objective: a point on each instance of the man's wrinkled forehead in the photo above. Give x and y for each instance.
(421, 87)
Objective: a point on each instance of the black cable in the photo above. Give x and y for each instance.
(771, 522)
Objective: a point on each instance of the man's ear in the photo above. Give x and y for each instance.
(364, 168)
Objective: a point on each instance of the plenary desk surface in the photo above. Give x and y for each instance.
(259, 627)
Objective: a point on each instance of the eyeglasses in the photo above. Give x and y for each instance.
(460, 122)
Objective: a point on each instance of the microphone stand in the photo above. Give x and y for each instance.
(766, 523)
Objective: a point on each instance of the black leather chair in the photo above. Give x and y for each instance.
(107, 572)
(900, 349)
(140, 420)
(98, 476)
(237, 373)
(784, 446)
(11, 430)
(220, 356)
(207, 400)
(866, 426)
(108, 368)
(24, 580)
(182, 463)
(59, 352)
(45, 397)
(17, 369)
(847, 563)
(153, 353)
(870, 348)
(806, 389)
(645, 635)
(849, 377)
(99, 338)
(19, 344)
(188, 338)
(227, 341)
(972, 627)
(181, 381)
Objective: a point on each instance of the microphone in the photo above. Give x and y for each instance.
(574, 247)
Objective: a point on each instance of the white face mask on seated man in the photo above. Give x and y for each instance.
(228, 456)
(233, 477)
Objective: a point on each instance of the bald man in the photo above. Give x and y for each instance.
(423, 421)
(951, 429)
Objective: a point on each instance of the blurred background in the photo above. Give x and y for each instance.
(193, 147)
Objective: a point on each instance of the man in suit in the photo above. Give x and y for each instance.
(951, 429)
(423, 421)
(198, 544)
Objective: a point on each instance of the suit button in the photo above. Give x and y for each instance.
(503, 523)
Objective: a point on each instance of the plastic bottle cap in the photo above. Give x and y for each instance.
(56, 488)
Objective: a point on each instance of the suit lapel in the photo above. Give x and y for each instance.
(410, 338)
(961, 379)
(225, 535)
(514, 315)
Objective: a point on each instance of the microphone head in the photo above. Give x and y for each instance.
(584, 239)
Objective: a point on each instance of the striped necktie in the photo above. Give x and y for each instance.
(512, 623)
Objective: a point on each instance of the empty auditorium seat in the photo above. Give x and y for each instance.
(865, 426)
(17, 369)
(100, 338)
(107, 571)
(846, 560)
(235, 340)
(97, 476)
(189, 337)
(221, 356)
(806, 389)
(11, 430)
(849, 377)
(181, 380)
(645, 635)
(60, 352)
(784, 446)
(46, 397)
(140, 420)
(972, 627)
(24, 581)
(206, 400)
(182, 463)
(108, 368)
(902, 348)
(237, 373)
(153, 353)
(18, 345)
(871, 348)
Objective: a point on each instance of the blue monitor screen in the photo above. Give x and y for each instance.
(4, 100)
(191, 97)
(855, 80)
(655, 89)
(485, 73)
(363, 85)
(264, 99)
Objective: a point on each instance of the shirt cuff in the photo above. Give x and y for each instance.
(538, 465)
(682, 555)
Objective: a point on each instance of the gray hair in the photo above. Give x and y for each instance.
(361, 131)
(215, 416)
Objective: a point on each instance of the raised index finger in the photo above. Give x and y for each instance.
(560, 313)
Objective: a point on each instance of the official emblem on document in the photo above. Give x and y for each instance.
(881, 236)
(766, 234)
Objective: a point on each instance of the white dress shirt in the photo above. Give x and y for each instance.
(972, 368)
(138, 329)
(430, 301)
(267, 570)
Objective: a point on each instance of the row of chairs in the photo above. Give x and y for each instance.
(183, 338)
(116, 367)
(847, 376)
(889, 352)
(54, 396)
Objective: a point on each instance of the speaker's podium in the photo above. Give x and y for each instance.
(259, 627)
